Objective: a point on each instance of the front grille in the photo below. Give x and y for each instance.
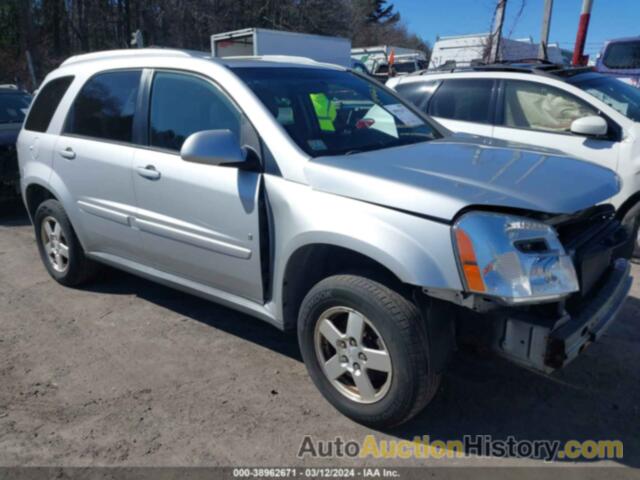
(593, 238)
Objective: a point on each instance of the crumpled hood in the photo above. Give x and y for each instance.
(441, 177)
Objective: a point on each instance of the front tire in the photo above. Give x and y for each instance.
(59, 248)
(366, 349)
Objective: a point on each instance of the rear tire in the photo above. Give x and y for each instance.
(400, 384)
(59, 248)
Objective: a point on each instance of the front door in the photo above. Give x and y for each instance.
(198, 222)
(541, 115)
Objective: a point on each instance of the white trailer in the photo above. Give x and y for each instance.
(260, 42)
(467, 50)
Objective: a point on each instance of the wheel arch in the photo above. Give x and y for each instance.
(34, 194)
(310, 263)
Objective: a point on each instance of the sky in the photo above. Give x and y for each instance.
(609, 19)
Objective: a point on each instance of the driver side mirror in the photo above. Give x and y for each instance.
(213, 147)
(591, 126)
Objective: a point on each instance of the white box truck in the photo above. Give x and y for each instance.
(467, 50)
(260, 42)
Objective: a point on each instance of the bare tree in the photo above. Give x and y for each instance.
(55, 29)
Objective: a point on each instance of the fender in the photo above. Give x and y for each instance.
(416, 250)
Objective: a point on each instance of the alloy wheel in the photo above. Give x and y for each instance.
(353, 355)
(55, 244)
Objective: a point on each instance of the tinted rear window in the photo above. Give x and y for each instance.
(467, 100)
(624, 55)
(46, 103)
(105, 106)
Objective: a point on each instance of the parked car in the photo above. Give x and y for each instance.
(621, 58)
(260, 184)
(576, 110)
(14, 103)
(376, 59)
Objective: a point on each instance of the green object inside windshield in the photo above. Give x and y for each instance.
(335, 112)
(325, 110)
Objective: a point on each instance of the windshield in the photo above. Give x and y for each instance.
(334, 112)
(13, 107)
(623, 55)
(618, 95)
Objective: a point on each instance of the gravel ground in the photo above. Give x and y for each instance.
(126, 372)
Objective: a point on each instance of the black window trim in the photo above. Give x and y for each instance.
(493, 112)
(615, 130)
(64, 133)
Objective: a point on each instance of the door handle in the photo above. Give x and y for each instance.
(149, 172)
(68, 153)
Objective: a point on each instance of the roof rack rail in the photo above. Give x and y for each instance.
(532, 66)
(528, 60)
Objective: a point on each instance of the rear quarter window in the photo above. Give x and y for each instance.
(46, 103)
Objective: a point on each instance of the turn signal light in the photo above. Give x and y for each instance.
(469, 262)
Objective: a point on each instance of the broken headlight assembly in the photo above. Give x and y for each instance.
(513, 259)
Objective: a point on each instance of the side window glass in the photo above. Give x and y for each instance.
(467, 100)
(185, 104)
(105, 106)
(540, 107)
(46, 103)
(417, 93)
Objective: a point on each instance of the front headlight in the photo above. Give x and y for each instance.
(515, 259)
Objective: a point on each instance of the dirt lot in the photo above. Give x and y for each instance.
(125, 372)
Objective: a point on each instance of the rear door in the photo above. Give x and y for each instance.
(35, 143)
(94, 156)
(198, 222)
(539, 114)
(464, 105)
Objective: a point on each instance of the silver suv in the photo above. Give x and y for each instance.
(313, 198)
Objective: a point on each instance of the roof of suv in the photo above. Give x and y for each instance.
(155, 52)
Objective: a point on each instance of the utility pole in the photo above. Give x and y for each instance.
(496, 34)
(546, 26)
(581, 37)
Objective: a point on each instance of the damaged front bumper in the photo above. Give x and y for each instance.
(547, 344)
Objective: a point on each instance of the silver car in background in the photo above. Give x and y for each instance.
(313, 198)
